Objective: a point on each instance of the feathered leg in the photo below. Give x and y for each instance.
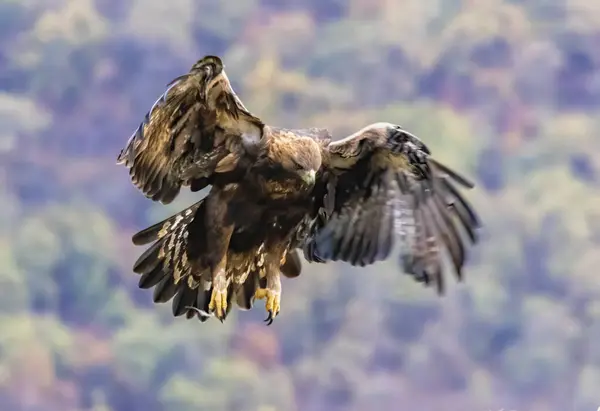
(272, 283)
(273, 294)
(219, 231)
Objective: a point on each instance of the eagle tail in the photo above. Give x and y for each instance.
(168, 266)
(167, 226)
(197, 304)
(245, 295)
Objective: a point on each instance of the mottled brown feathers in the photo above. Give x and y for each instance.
(174, 267)
(388, 189)
(277, 191)
(197, 123)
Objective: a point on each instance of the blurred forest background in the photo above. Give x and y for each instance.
(505, 91)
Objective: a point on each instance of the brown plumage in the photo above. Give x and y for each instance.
(170, 265)
(274, 191)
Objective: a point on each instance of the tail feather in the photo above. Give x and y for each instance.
(169, 268)
(151, 278)
(245, 295)
(173, 266)
(199, 307)
(165, 290)
(166, 226)
(149, 258)
(184, 298)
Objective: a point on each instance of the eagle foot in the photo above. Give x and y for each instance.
(218, 298)
(272, 305)
(218, 303)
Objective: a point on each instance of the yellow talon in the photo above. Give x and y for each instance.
(272, 305)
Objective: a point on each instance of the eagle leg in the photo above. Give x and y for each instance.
(272, 292)
(219, 231)
(218, 297)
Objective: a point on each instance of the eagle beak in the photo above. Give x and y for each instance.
(309, 177)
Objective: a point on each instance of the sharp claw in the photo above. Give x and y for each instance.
(272, 305)
(270, 318)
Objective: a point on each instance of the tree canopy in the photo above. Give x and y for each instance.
(506, 91)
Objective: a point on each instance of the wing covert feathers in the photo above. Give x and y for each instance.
(196, 128)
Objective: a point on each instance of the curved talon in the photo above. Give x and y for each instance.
(272, 303)
(269, 319)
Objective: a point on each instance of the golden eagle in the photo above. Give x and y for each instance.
(275, 191)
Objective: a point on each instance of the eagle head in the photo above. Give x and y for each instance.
(208, 65)
(299, 157)
(211, 70)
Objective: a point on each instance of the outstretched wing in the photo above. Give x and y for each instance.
(381, 185)
(197, 128)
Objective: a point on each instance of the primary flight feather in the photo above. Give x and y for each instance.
(274, 192)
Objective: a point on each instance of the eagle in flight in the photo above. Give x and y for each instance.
(278, 193)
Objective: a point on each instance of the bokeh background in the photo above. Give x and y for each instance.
(507, 92)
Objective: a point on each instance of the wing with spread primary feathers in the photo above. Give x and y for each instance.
(381, 185)
(198, 127)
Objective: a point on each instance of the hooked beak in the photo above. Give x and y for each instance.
(309, 177)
